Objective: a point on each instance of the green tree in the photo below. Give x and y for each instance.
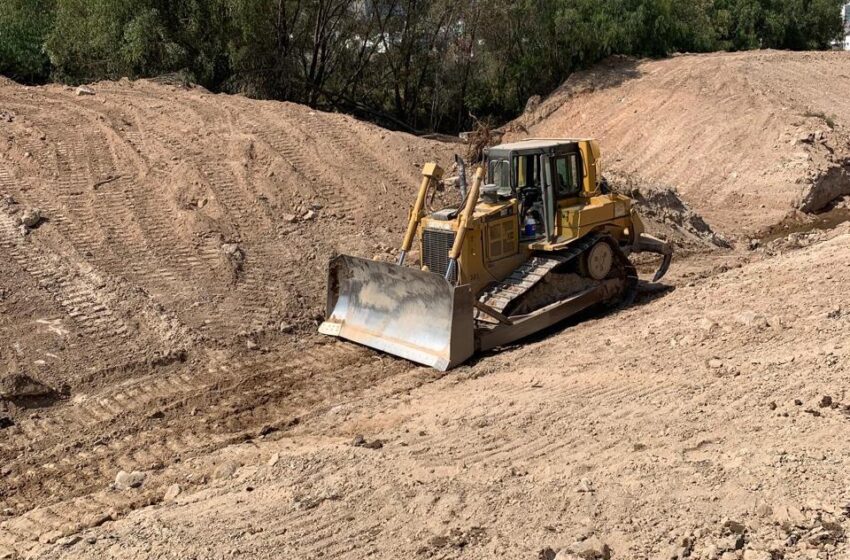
(24, 24)
(414, 64)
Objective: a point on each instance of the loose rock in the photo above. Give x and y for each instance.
(751, 554)
(19, 385)
(752, 319)
(585, 486)
(68, 541)
(84, 90)
(172, 492)
(125, 480)
(233, 251)
(730, 542)
(374, 444)
(592, 548)
(360, 441)
(734, 527)
(546, 554)
(224, 470)
(30, 218)
(711, 552)
(764, 510)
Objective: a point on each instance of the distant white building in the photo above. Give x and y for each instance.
(845, 12)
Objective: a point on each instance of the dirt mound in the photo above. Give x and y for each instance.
(172, 216)
(744, 137)
(170, 283)
(663, 206)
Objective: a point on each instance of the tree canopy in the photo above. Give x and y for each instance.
(414, 64)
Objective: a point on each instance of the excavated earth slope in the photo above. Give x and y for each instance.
(175, 217)
(746, 138)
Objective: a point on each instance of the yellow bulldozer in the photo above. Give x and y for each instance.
(539, 241)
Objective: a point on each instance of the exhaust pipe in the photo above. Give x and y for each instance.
(461, 167)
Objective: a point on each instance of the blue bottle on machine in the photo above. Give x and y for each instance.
(530, 226)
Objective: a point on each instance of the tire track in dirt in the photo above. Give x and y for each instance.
(77, 296)
(227, 184)
(246, 396)
(331, 132)
(281, 138)
(171, 266)
(138, 269)
(94, 235)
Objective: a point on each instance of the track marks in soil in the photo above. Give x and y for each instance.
(203, 410)
(77, 295)
(136, 264)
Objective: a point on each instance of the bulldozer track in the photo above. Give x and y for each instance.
(328, 185)
(248, 392)
(343, 144)
(529, 274)
(80, 475)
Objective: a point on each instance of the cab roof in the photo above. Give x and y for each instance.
(534, 145)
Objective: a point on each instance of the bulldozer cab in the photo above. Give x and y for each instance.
(544, 175)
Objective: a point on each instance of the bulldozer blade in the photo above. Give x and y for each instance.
(406, 312)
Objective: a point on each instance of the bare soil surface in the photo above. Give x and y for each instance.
(163, 394)
(165, 301)
(745, 138)
(709, 419)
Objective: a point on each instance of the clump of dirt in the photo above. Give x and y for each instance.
(17, 385)
(663, 204)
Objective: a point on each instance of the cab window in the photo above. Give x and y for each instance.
(527, 171)
(500, 173)
(567, 169)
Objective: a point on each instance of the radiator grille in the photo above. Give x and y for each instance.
(436, 245)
